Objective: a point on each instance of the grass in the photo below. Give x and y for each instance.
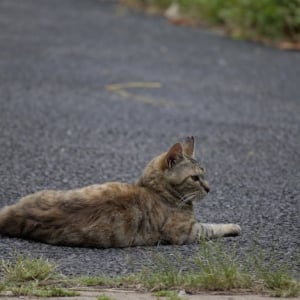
(106, 281)
(214, 269)
(33, 277)
(275, 278)
(280, 284)
(33, 290)
(164, 275)
(263, 20)
(219, 269)
(26, 269)
(98, 281)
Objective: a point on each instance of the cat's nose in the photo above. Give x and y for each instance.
(205, 186)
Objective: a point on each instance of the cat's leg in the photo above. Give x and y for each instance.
(211, 231)
(183, 229)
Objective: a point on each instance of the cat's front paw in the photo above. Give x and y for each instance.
(234, 230)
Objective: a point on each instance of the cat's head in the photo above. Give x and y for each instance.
(176, 174)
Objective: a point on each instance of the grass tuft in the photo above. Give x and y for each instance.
(219, 270)
(32, 277)
(34, 290)
(163, 275)
(2, 287)
(55, 292)
(260, 20)
(105, 297)
(214, 269)
(276, 279)
(26, 269)
(98, 281)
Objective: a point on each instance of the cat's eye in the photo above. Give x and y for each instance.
(195, 178)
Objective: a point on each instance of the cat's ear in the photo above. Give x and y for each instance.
(174, 155)
(189, 146)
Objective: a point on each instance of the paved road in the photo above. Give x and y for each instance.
(61, 127)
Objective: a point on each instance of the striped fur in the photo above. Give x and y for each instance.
(156, 209)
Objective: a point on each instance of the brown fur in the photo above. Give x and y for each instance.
(157, 209)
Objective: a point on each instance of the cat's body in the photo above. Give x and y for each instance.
(157, 209)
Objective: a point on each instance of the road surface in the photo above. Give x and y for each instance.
(90, 92)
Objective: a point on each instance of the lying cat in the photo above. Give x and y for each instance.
(157, 209)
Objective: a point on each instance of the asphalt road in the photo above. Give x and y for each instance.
(61, 127)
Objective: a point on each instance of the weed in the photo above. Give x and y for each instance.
(164, 275)
(276, 279)
(104, 297)
(250, 19)
(55, 292)
(32, 276)
(214, 269)
(34, 290)
(97, 280)
(22, 290)
(2, 287)
(27, 269)
(218, 269)
(108, 281)
(170, 295)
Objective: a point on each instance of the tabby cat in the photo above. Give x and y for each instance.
(158, 208)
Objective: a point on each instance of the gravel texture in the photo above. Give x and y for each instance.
(61, 128)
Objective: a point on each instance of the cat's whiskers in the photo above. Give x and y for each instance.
(159, 207)
(187, 198)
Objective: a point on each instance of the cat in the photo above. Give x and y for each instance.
(157, 209)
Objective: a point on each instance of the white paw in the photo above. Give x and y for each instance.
(235, 229)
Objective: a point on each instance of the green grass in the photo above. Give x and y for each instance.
(280, 284)
(34, 290)
(2, 287)
(32, 276)
(251, 18)
(27, 269)
(104, 297)
(98, 280)
(219, 270)
(106, 281)
(276, 279)
(264, 20)
(163, 275)
(214, 268)
(55, 292)
(163, 293)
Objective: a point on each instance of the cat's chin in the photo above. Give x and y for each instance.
(203, 195)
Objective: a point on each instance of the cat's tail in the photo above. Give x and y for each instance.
(3, 217)
(8, 223)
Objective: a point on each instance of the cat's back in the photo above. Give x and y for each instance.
(102, 196)
(92, 194)
(101, 215)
